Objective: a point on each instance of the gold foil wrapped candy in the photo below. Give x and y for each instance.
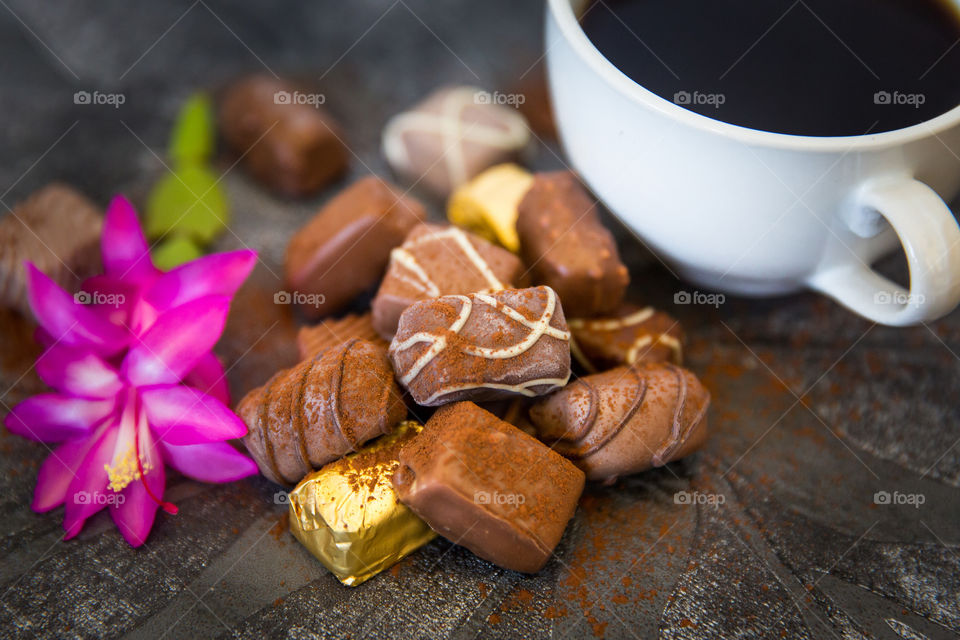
(348, 514)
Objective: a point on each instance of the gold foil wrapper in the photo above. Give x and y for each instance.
(348, 514)
(487, 205)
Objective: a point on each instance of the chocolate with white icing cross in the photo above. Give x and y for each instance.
(453, 135)
(482, 346)
(634, 334)
(439, 260)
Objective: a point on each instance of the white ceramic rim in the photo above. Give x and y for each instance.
(566, 19)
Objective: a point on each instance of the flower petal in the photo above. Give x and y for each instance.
(121, 298)
(51, 417)
(68, 321)
(76, 372)
(88, 492)
(57, 472)
(176, 342)
(210, 462)
(181, 415)
(126, 254)
(219, 274)
(210, 378)
(135, 512)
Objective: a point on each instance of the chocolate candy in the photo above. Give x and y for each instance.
(486, 485)
(487, 205)
(332, 332)
(435, 261)
(567, 247)
(625, 420)
(482, 346)
(348, 515)
(58, 230)
(321, 409)
(344, 249)
(290, 145)
(451, 136)
(632, 335)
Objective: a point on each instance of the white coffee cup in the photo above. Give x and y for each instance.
(757, 213)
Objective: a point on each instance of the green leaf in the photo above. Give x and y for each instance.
(174, 251)
(187, 202)
(192, 139)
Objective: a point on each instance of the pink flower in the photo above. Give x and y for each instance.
(136, 384)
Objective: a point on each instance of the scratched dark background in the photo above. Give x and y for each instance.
(815, 411)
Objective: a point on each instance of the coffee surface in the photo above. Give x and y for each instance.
(805, 67)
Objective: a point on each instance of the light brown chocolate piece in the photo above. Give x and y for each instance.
(484, 484)
(567, 247)
(453, 135)
(320, 410)
(634, 334)
(344, 249)
(288, 144)
(625, 420)
(57, 229)
(482, 346)
(332, 332)
(436, 261)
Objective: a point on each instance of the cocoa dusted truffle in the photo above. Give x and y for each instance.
(439, 260)
(320, 410)
(482, 346)
(632, 335)
(625, 420)
(484, 484)
(344, 249)
(568, 248)
(289, 144)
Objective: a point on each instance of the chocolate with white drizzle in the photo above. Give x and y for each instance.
(632, 335)
(454, 134)
(625, 420)
(437, 260)
(320, 410)
(482, 346)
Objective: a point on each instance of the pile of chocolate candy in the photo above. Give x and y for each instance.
(472, 331)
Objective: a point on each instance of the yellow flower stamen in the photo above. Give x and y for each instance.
(125, 470)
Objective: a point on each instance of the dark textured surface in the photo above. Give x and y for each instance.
(814, 410)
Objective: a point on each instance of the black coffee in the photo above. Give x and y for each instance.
(807, 67)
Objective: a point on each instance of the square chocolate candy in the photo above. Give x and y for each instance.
(436, 261)
(482, 346)
(484, 484)
(345, 247)
(453, 135)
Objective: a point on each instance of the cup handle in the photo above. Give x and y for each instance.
(928, 232)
